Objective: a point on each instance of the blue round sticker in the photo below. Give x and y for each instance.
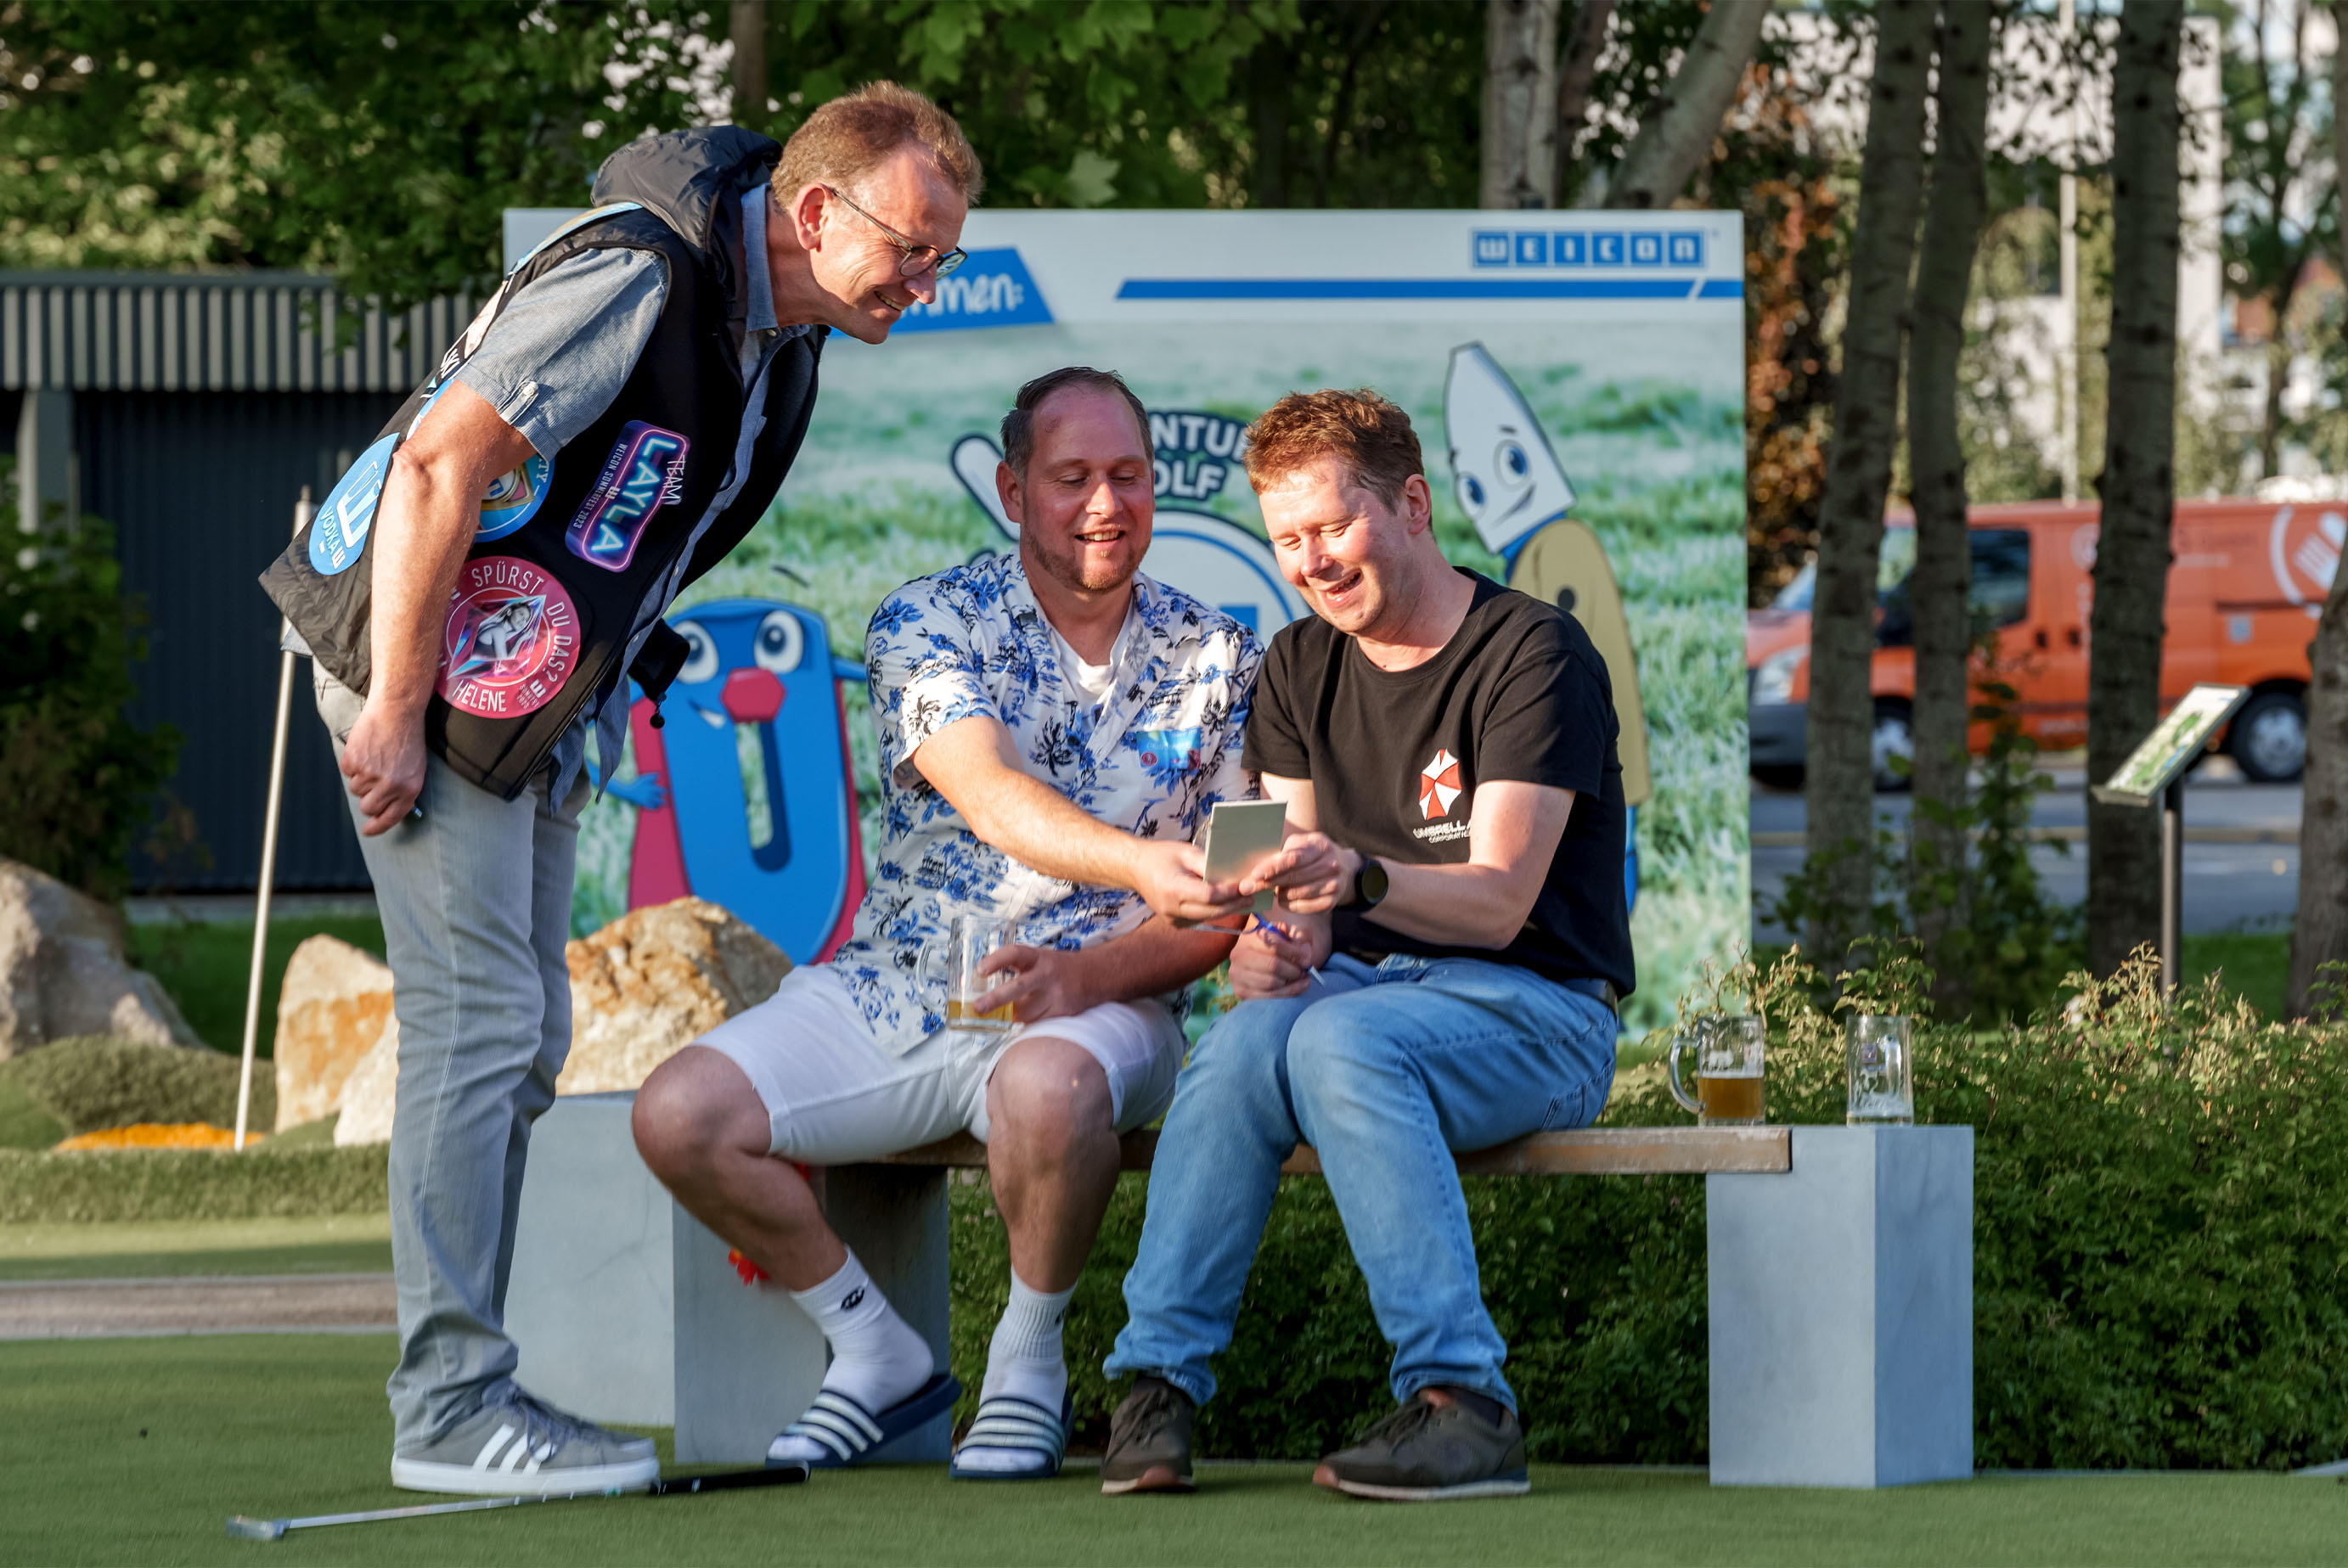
(339, 531)
(513, 498)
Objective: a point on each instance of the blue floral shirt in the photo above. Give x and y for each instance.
(1151, 757)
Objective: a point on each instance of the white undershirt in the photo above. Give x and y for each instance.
(1095, 680)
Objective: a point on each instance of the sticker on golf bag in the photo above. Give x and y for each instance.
(339, 531)
(645, 473)
(512, 639)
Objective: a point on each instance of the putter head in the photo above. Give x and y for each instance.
(240, 1528)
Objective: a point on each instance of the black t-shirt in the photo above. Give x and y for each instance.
(1518, 694)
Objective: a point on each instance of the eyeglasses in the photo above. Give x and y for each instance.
(919, 259)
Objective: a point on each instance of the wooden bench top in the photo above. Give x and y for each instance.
(1592, 1151)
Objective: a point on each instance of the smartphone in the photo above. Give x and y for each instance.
(1240, 835)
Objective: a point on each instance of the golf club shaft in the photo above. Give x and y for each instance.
(678, 1486)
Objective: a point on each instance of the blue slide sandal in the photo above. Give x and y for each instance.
(1006, 1421)
(845, 1432)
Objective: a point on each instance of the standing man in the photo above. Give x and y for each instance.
(474, 594)
(1446, 976)
(1054, 728)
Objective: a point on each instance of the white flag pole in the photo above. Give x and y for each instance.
(302, 512)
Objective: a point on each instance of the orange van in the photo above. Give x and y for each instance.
(2248, 580)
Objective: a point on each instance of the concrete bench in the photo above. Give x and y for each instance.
(1840, 1296)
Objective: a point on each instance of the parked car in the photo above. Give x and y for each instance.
(2248, 580)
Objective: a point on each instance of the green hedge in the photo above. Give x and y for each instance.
(189, 1185)
(92, 1083)
(2161, 1199)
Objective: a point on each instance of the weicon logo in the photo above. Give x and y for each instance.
(1521, 248)
(1439, 784)
(992, 288)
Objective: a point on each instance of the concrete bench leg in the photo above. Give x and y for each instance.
(1841, 1306)
(625, 1307)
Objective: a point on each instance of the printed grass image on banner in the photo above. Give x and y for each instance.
(1576, 381)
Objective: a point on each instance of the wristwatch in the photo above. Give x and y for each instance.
(1369, 883)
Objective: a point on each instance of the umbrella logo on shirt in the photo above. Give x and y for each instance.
(1439, 784)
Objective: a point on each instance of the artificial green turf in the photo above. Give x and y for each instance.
(331, 1244)
(136, 1450)
(207, 966)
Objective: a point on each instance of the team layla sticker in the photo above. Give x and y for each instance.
(339, 531)
(513, 499)
(645, 473)
(511, 641)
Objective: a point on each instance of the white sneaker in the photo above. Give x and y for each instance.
(527, 1448)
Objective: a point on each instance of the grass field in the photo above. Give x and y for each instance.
(323, 1244)
(136, 1450)
(205, 966)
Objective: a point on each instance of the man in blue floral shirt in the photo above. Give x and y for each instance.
(1054, 728)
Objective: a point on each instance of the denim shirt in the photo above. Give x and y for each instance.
(1150, 758)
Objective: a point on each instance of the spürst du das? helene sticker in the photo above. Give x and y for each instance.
(511, 638)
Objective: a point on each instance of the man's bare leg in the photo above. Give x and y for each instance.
(1051, 1150)
(703, 1131)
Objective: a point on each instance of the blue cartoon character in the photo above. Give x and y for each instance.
(1211, 558)
(1512, 487)
(746, 794)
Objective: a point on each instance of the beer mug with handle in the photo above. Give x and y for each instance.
(1727, 1052)
(953, 958)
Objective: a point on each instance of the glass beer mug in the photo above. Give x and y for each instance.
(1882, 1071)
(1727, 1070)
(953, 960)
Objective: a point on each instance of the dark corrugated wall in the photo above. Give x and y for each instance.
(199, 488)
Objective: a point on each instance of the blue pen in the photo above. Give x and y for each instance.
(1254, 921)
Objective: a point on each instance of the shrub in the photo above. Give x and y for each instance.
(94, 1083)
(191, 1185)
(80, 779)
(2160, 1197)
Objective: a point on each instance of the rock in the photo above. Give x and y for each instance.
(330, 1012)
(652, 982)
(62, 972)
(370, 1091)
(642, 987)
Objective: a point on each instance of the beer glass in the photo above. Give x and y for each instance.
(953, 959)
(1882, 1086)
(1727, 1052)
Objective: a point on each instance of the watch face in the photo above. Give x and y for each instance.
(1371, 884)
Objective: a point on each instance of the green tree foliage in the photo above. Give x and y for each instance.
(374, 140)
(78, 777)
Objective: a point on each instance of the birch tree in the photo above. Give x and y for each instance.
(1519, 151)
(1937, 591)
(1859, 471)
(2320, 935)
(1677, 132)
(2137, 486)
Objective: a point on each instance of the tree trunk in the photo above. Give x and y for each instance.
(1858, 470)
(747, 28)
(1678, 132)
(1520, 102)
(2320, 936)
(1268, 83)
(1939, 592)
(1577, 67)
(2138, 483)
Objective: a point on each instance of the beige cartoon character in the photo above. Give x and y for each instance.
(1514, 490)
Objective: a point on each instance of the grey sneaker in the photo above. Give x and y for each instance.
(1433, 1449)
(1149, 1441)
(526, 1448)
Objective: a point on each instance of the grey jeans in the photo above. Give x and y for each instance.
(475, 905)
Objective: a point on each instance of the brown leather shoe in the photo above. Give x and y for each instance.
(1149, 1441)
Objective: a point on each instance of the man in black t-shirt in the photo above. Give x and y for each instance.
(1444, 973)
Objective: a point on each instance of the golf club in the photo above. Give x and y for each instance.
(242, 1528)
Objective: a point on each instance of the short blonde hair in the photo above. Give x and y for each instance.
(1367, 433)
(848, 137)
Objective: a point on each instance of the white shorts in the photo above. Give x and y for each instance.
(834, 1097)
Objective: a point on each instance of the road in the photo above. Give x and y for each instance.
(2229, 886)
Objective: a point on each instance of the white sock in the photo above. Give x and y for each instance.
(877, 1359)
(1025, 1360)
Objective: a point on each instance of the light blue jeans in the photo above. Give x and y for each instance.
(476, 906)
(1385, 1072)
